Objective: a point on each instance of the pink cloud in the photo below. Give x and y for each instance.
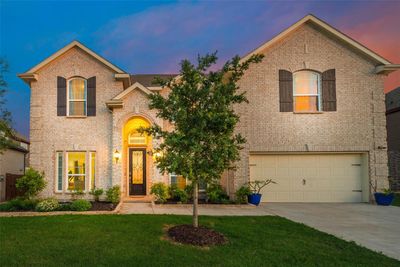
(380, 33)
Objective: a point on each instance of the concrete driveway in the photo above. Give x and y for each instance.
(374, 227)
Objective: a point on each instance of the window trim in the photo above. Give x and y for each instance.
(318, 94)
(90, 169)
(76, 100)
(66, 170)
(56, 189)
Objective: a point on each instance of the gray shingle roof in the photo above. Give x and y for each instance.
(147, 79)
(393, 99)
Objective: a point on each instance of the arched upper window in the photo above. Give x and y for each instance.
(77, 97)
(307, 91)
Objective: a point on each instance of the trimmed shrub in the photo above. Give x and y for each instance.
(19, 204)
(177, 194)
(80, 205)
(96, 192)
(64, 207)
(160, 191)
(216, 194)
(5, 206)
(49, 204)
(242, 193)
(31, 183)
(114, 194)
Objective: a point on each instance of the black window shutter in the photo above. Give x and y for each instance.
(91, 96)
(61, 96)
(329, 90)
(285, 91)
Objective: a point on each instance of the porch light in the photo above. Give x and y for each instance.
(117, 155)
(154, 155)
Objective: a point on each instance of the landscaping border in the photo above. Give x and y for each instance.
(55, 213)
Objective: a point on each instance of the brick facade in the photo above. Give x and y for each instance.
(358, 125)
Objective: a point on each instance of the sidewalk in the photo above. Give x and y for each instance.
(184, 209)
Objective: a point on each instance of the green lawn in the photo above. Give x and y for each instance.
(136, 240)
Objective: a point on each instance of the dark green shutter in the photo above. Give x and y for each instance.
(285, 91)
(329, 90)
(91, 96)
(61, 96)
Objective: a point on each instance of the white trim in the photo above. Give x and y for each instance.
(66, 170)
(310, 18)
(134, 86)
(90, 169)
(318, 94)
(68, 47)
(57, 172)
(77, 100)
(386, 69)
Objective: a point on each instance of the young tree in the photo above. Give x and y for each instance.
(5, 116)
(202, 143)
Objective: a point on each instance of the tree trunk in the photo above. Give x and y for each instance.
(195, 204)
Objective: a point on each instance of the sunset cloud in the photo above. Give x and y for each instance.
(156, 39)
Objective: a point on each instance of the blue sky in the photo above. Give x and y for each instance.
(153, 36)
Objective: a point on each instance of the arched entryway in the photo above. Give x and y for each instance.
(137, 161)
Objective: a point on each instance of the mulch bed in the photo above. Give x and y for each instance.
(200, 236)
(102, 206)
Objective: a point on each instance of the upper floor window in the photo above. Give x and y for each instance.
(77, 97)
(306, 91)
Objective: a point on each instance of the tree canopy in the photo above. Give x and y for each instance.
(202, 143)
(6, 131)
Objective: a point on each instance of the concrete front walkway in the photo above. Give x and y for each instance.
(371, 226)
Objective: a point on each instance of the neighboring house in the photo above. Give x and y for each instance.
(315, 122)
(393, 136)
(13, 162)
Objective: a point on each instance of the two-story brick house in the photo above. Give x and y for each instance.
(315, 122)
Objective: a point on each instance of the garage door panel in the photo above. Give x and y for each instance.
(309, 178)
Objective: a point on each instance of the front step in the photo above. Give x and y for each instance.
(136, 201)
(146, 199)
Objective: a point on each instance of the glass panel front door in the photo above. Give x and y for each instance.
(137, 171)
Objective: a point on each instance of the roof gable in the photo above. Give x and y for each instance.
(117, 101)
(67, 48)
(326, 27)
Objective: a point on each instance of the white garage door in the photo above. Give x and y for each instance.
(309, 178)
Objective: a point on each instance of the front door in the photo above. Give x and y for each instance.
(137, 171)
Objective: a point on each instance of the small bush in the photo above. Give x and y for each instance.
(242, 193)
(49, 204)
(80, 205)
(64, 207)
(96, 192)
(5, 206)
(216, 194)
(178, 194)
(19, 204)
(31, 183)
(114, 194)
(160, 191)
